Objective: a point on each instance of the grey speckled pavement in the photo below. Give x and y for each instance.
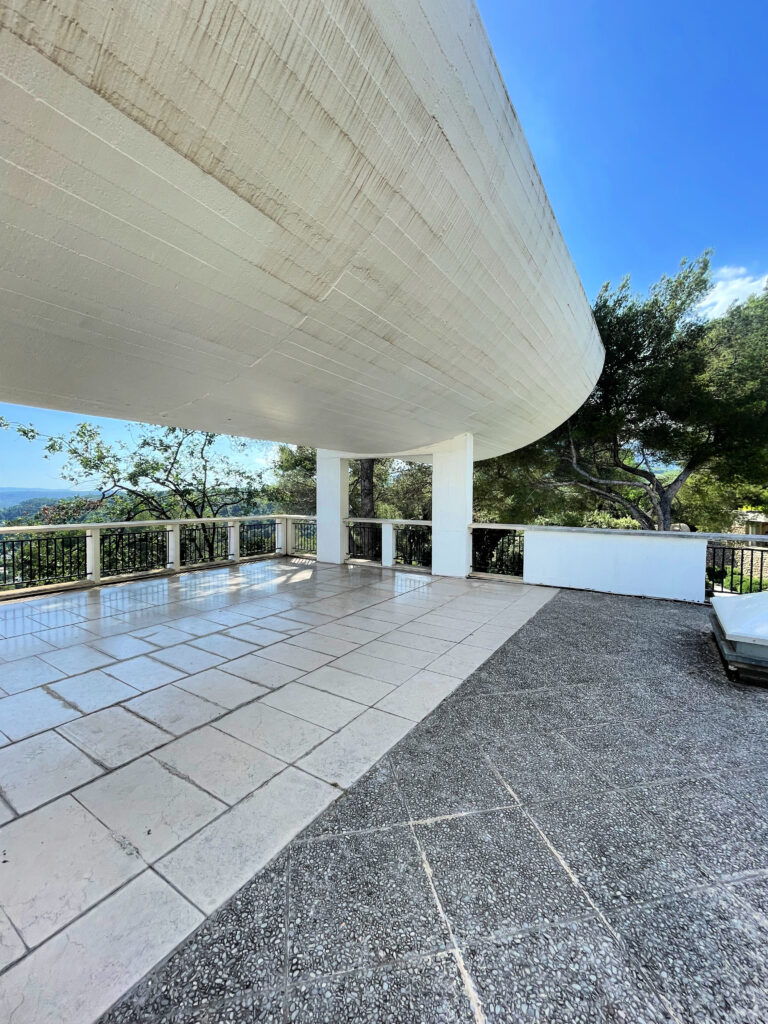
(577, 835)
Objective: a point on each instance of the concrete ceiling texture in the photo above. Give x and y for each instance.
(314, 221)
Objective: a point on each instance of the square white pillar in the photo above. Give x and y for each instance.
(387, 545)
(332, 506)
(452, 468)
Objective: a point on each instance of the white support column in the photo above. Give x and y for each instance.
(233, 531)
(332, 505)
(290, 536)
(174, 547)
(279, 535)
(452, 467)
(387, 544)
(93, 554)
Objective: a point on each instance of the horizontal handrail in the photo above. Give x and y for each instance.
(393, 522)
(664, 534)
(147, 523)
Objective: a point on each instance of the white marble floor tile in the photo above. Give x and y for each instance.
(39, 890)
(196, 625)
(187, 658)
(122, 646)
(92, 691)
(78, 974)
(418, 641)
(67, 636)
(113, 736)
(225, 646)
(348, 754)
(275, 732)
(220, 763)
(362, 689)
(283, 624)
(257, 669)
(353, 634)
(222, 688)
(295, 657)
(310, 617)
(11, 948)
(26, 673)
(330, 645)
(461, 660)
(256, 635)
(24, 714)
(173, 709)
(313, 705)
(163, 635)
(74, 660)
(149, 806)
(387, 671)
(16, 647)
(419, 695)
(410, 656)
(216, 862)
(144, 673)
(41, 768)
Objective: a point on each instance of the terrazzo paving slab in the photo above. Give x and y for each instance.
(567, 974)
(494, 874)
(360, 900)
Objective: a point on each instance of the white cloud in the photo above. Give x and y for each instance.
(731, 284)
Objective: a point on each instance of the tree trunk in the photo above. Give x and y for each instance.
(367, 504)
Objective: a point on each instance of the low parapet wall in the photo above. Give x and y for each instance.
(640, 564)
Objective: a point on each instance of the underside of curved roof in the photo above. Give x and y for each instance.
(316, 222)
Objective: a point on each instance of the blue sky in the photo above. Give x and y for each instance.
(649, 122)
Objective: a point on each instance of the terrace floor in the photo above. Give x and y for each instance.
(162, 740)
(576, 834)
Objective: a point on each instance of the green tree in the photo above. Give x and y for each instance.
(165, 473)
(711, 504)
(677, 396)
(294, 490)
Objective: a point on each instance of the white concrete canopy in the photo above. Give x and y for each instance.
(313, 221)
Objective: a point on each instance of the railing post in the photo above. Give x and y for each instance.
(280, 537)
(93, 554)
(233, 530)
(290, 536)
(174, 547)
(387, 545)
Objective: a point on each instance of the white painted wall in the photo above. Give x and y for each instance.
(332, 506)
(452, 465)
(669, 565)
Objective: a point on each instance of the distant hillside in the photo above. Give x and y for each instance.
(15, 495)
(21, 502)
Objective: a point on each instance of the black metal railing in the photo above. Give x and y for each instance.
(365, 541)
(206, 542)
(36, 560)
(497, 551)
(126, 551)
(258, 538)
(736, 568)
(413, 546)
(305, 537)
